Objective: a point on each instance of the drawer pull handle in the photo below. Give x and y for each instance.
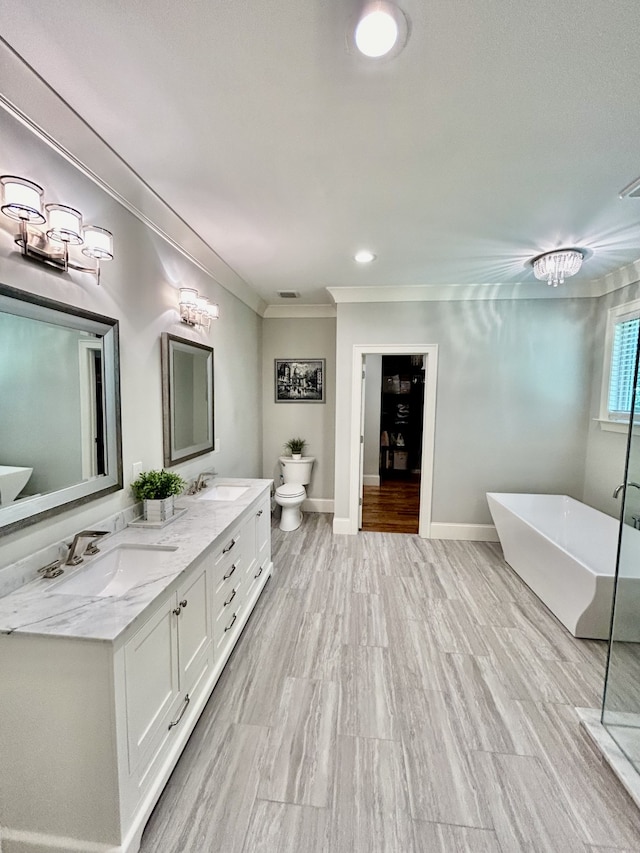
(229, 547)
(228, 575)
(230, 623)
(259, 513)
(177, 610)
(230, 599)
(259, 572)
(183, 603)
(181, 714)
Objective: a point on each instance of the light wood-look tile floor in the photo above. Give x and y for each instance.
(396, 695)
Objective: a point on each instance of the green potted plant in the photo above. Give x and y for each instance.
(295, 446)
(157, 490)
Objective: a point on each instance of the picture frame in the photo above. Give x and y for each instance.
(299, 380)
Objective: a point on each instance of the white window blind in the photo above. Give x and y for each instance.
(623, 362)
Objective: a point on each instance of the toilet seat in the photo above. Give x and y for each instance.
(290, 490)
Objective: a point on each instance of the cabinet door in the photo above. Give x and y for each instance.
(151, 678)
(263, 531)
(193, 618)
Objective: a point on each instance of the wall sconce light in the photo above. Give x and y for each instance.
(196, 310)
(61, 227)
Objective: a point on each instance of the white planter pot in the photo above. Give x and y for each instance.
(296, 455)
(159, 510)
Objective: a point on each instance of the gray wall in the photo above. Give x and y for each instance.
(513, 394)
(140, 289)
(300, 338)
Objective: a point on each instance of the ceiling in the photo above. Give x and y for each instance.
(502, 130)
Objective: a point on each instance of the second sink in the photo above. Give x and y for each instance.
(224, 493)
(116, 571)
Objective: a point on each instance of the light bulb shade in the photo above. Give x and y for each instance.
(213, 310)
(65, 224)
(98, 243)
(202, 303)
(554, 267)
(188, 296)
(22, 199)
(377, 30)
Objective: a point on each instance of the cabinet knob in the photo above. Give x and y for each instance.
(183, 603)
(177, 610)
(259, 513)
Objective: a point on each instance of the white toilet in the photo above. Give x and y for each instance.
(291, 494)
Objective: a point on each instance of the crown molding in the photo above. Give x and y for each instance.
(281, 311)
(33, 102)
(462, 292)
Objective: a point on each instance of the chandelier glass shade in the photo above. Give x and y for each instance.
(554, 267)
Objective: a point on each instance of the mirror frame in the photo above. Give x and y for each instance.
(24, 304)
(172, 456)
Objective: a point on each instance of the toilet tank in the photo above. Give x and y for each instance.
(297, 470)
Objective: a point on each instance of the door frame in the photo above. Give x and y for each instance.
(430, 353)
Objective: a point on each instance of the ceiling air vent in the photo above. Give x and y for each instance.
(289, 294)
(631, 191)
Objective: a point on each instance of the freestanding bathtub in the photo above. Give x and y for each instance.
(565, 552)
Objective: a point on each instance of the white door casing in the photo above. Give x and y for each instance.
(430, 352)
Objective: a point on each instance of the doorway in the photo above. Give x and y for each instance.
(398, 466)
(392, 459)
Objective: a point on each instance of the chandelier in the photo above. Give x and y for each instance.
(554, 267)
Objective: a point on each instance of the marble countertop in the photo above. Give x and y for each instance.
(37, 609)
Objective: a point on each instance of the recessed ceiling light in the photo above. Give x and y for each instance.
(380, 27)
(364, 256)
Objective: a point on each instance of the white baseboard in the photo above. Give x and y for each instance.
(371, 480)
(342, 525)
(318, 505)
(470, 532)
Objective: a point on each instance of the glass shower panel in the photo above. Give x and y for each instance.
(621, 704)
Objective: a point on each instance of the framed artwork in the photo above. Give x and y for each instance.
(299, 380)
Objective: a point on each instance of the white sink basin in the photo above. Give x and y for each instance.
(12, 481)
(116, 571)
(224, 493)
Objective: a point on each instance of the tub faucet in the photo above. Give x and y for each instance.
(74, 557)
(619, 488)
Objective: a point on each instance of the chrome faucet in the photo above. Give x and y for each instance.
(619, 488)
(201, 483)
(74, 557)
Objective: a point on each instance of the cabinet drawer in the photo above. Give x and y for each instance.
(227, 616)
(256, 578)
(230, 547)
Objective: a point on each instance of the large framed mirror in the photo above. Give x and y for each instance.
(187, 399)
(61, 442)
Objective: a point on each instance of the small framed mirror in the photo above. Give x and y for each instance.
(187, 399)
(60, 434)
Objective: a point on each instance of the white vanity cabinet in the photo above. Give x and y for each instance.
(91, 729)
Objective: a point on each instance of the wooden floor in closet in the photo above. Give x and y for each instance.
(391, 507)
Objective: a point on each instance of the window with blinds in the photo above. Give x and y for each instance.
(620, 361)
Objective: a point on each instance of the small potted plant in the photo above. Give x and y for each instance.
(295, 446)
(157, 490)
